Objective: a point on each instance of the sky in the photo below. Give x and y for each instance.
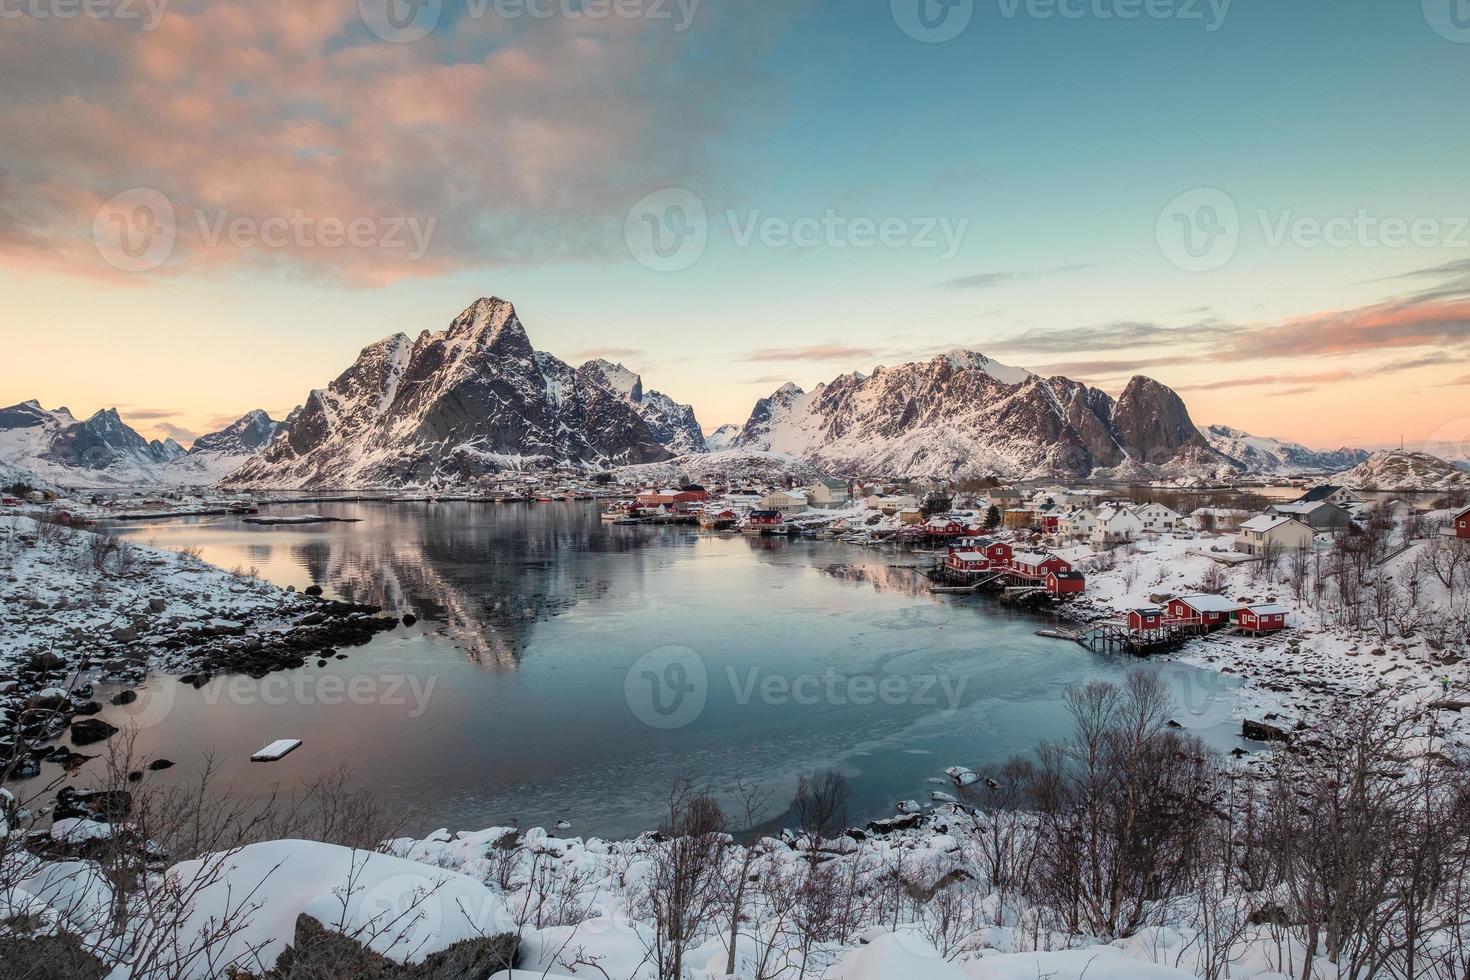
(209, 206)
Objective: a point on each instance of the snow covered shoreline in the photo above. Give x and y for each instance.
(78, 607)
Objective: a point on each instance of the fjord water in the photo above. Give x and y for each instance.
(564, 668)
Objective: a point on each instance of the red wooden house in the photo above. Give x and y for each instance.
(762, 519)
(1207, 612)
(944, 527)
(1267, 618)
(998, 552)
(1461, 524)
(1037, 565)
(1065, 583)
(966, 562)
(1145, 619)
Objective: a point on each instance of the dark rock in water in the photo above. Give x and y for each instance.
(1259, 731)
(313, 590)
(158, 765)
(88, 709)
(895, 823)
(125, 697)
(409, 619)
(104, 805)
(90, 730)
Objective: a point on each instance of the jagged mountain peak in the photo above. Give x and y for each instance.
(1264, 455)
(473, 399)
(968, 360)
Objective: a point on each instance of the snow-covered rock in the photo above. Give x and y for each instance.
(400, 909)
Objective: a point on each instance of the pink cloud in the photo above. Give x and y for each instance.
(520, 142)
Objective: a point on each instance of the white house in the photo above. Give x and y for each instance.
(892, 504)
(1115, 526)
(1269, 532)
(786, 501)
(1158, 519)
(829, 494)
(1077, 524)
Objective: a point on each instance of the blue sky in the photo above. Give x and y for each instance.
(1053, 143)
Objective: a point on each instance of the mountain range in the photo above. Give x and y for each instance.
(477, 399)
(44, 446)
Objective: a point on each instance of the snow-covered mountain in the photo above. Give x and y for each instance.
(672, 424)
(1270, 457)
(1400, 469)
(214, 456)
(962, 414)
(444, 407)
(98, 451)
(722, 437)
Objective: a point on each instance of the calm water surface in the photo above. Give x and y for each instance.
(563, 668)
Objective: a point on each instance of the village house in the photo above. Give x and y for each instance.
(1206, 611)
(1267, 533)
(1018, 519)
(1319, 515)
(671, 498)
(1158, 519)
(944, 527)
(1145, 619)
(1115, 526)
(966, 563)
(1265, 618)
(1460, 525)
(785, 501)
(1037, 565)
(1002, 497)
(829, 494)
(889, 505)
(1066, 583)
(1077, 525)
(1332, 494)
(1221, 520)
(911, 516)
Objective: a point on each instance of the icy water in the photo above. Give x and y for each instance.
(563, 668)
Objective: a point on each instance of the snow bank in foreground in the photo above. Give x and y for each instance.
(401, 909)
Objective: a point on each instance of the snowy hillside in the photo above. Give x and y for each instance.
(1403, 470)
(1269, 457)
